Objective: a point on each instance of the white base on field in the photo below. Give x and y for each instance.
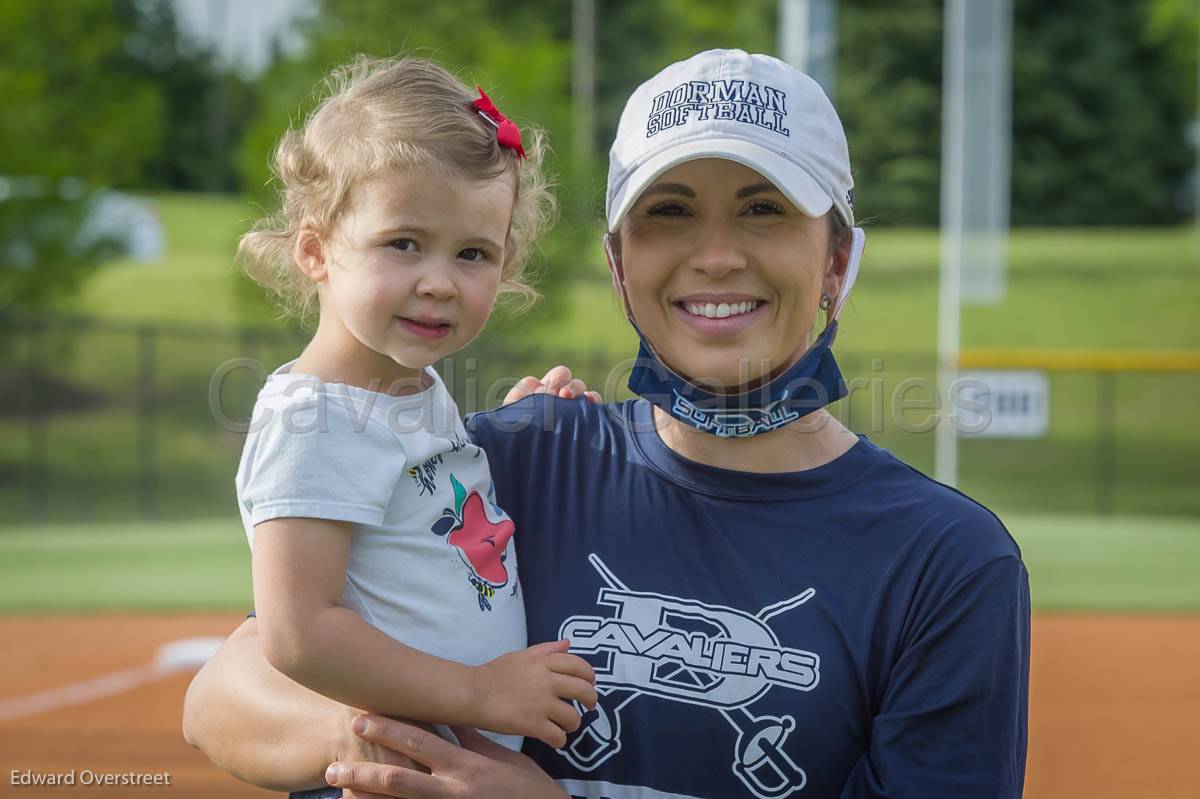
(187, 654)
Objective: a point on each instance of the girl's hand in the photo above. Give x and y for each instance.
(529, 692)
(558, 381)
(479, 768)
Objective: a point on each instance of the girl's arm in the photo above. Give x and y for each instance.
(299, 576)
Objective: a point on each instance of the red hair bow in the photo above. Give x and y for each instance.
(507, 133)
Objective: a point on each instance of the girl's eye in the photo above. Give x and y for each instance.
(667, 209)
(764, 208)
(474, 254)
(404, 245)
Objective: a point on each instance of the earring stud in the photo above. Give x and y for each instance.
(826, 302)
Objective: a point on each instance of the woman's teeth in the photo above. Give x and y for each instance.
(720, 310)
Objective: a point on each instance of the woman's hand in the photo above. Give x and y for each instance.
(558, 381)
(479, 768)
(357, 749)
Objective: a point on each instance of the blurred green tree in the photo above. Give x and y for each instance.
(207, 105)
(1099, 110)
(1098, 123)
(889, 87)
(635, 39)
(79, 112)
(108, 95)
(77, 103)
(1173, 24)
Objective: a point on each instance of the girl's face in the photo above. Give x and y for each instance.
(414, 266)
(724, 274)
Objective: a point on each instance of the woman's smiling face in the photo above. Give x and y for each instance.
(723, 273)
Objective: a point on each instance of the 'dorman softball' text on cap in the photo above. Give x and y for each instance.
(753, 109)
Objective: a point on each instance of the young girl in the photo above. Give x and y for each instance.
(407, 206)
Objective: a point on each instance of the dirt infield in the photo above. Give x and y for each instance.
(137, 730)
(1114, 707)
(1114, 702)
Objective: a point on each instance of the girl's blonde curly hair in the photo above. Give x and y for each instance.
(378, 115)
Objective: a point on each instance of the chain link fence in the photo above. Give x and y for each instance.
(102, 420)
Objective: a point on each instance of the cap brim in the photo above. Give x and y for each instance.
(795, 183)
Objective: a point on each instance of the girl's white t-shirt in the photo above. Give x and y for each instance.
(432, 561)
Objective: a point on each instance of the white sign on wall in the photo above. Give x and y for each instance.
(1003, 404)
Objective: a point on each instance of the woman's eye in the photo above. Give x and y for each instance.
(764, 208)
(404, 245)
(667, 210)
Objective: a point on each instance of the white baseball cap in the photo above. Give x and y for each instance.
(753, 109)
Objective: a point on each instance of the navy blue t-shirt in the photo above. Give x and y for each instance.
(854, 630)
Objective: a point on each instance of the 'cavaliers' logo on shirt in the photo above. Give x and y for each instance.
(683, 650)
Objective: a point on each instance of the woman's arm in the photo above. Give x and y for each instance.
(263, 728)
(952, 721)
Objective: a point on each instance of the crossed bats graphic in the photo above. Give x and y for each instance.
(758, 751)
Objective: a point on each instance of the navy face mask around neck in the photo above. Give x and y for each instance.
(809, 384)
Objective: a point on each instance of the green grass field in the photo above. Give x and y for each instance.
(193, 283)
(1142, 564)
(1080, 288)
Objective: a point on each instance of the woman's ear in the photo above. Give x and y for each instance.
(309, 253)
(612, 252)
(835, 270)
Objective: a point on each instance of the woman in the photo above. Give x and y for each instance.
(773, 605)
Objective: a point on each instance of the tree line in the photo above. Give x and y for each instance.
(112, 93)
